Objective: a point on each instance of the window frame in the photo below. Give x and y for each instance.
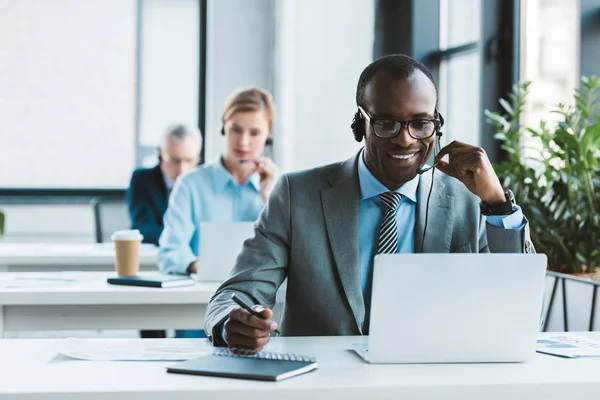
(499, 68)
(42, 195)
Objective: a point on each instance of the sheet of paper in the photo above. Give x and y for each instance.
(35, 281)
(133, 349)
(567, 345)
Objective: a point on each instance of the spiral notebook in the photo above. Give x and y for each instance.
(263, 366)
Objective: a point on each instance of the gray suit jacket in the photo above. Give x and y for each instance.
(308, 233)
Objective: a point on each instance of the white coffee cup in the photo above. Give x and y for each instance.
(127, 251)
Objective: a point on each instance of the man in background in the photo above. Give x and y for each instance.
(148, 193)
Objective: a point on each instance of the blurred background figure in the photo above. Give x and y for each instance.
(149, 189)
(233, 188)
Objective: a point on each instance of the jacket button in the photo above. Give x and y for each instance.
(527, 246)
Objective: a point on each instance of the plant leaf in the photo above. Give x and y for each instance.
(507, 107)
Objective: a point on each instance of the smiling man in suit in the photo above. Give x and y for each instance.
(148, 193)
(321, 228)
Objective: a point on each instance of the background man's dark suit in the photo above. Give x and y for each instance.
(147, 199)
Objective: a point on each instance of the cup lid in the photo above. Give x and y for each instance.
(127, 234)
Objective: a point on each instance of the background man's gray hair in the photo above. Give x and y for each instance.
(179, 132)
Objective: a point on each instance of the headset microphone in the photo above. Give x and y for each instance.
(422, 170)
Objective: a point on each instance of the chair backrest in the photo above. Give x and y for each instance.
(110, 214)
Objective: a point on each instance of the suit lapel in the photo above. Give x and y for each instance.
(441, 216)
(340, 207)
(161, 185)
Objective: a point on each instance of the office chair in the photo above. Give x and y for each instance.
(110, 214)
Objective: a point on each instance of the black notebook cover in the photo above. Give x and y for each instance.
(158, 281)
(262, 366)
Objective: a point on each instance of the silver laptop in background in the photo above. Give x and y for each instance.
(455, 308)
(220, 244)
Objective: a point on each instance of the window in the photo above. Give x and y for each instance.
(169, 66)
(67, 93)
(87, 88)
(460, 66)
(549, 55)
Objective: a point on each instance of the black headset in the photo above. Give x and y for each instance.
(268, 142)
(358, 126)
(358, 129)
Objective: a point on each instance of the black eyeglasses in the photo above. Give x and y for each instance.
(387, 128)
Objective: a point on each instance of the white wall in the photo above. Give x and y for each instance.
(333, 43)
(48, 223)
(309, 53)
(239, 53)
(67, 85)
(169, 59)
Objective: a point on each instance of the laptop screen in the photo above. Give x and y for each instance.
(220, 244)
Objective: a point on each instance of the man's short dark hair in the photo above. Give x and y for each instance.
(398, 65)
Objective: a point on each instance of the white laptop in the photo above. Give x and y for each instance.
(454, 308)
(220, 244)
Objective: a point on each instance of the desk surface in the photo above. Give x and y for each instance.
(32, 369)
(83, 300)
(79, 288)
(63, 254)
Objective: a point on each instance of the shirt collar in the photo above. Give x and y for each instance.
(222, 178)
(370, 186)
(168, 182)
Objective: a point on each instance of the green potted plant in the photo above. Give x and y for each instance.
(1, 223)
(554, 171)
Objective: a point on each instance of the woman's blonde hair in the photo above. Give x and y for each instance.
(250, 99)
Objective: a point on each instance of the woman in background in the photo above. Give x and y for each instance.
(234, 188)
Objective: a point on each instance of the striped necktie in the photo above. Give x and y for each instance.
(388, 243)
(388, 232)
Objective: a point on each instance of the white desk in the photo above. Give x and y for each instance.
(15, 257)
(31, 369)
(83, 300)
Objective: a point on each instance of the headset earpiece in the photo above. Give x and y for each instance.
(439, 130)
(358, 126)
(268, 142)
(442, 120)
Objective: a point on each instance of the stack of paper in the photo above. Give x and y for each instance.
(567, 345)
